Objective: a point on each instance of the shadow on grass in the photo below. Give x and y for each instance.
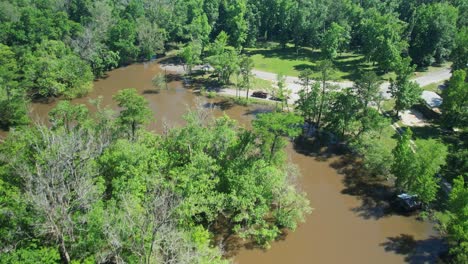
(416, 251)
(348, 64)
(288, 54)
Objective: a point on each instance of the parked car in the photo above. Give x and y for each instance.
(409, 202)
(259, 94)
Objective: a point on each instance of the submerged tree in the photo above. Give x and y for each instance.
(415, 170)
(274, 126)
(326, 70)
(135, 110)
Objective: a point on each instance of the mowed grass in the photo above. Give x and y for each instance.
(257, 84)
(289, 62)
(434, 87)
(389, 137)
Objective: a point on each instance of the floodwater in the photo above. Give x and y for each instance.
(351, 221)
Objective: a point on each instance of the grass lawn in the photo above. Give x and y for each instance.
(433, 87)
(389, 137)
(286, 61)
(388, 105)
(420, 72)
(257, 84)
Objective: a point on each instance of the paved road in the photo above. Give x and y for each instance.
(293, 82)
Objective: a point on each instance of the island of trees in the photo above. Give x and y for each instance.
(100, 188)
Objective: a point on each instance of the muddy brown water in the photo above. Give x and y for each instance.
(348, 224)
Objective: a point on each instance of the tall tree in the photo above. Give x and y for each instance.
(459, 54)
(274, 126)
(381, 37)
(455, 101)
(12, 99)
(416, 171)
(245, 67)
(135, 110)
(343, 113)
(454, 221)
(367, 89)
(61, 184)
(334, 41)
(403, 166)
(405, 92)
(235, 23)
(433, 33)
(191, 55)
(326, 69)
(308, 96)
(53, 70)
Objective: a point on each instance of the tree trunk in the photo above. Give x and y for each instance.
(322, 101)
(133, 129)
(273, 146)
(63, 252)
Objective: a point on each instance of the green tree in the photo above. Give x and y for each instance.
(226, 61)
(308, 96)
(282, 93)
(159, 81)
(199, 28)
(454, 221)
(122, 39)
(405, 92)
(455, 101)
(334, 41)
(416, 171)
(274, 126)
(343, 113)
(245, 67)
(150, 38)
(191, 55)
(367, 89)
(12, 100)
(403, 166)
(381, 36)
(433, 33)
(377, 157)
(326, 70)
(68, 116)
(53, 70)
(235, 23)
(135, 111)
(459, 54)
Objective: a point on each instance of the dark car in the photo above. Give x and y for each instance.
(260, 94)
(409, 202)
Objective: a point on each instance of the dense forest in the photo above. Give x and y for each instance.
(100, 188)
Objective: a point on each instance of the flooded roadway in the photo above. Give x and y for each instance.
(349, 223)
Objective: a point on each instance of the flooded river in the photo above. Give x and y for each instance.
(351, 222)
